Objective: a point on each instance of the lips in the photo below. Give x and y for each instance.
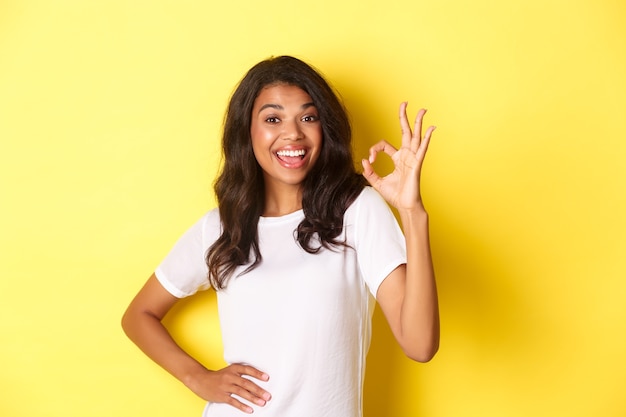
(291, 158)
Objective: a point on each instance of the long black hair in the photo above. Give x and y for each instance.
(328, 190)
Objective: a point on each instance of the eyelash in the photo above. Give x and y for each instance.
(310, 118)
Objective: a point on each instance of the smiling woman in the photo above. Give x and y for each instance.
(299, 250)
(286, 139)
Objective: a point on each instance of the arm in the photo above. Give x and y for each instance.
(142, 324)
(408, 296)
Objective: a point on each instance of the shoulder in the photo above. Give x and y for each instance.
(211, 224)
(369, 210)
(206, 229)
(369, 194)
(212, 217)
(368, 199)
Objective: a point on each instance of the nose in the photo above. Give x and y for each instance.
(292, 130)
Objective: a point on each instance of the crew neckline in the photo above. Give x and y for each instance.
(285, 217)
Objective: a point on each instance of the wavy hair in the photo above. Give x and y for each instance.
(328, 190)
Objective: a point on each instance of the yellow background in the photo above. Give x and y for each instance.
(110, 114)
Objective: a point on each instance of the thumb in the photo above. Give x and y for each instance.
(370, 175)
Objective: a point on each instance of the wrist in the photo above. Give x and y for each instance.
(192, 378)
(414, 221)
(417, 213)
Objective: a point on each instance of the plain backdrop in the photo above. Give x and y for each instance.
(110, 119)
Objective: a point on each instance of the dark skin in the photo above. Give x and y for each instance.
(142, 322)
(407, 296)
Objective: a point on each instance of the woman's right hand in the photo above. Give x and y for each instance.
(142, 322)
(219, 386)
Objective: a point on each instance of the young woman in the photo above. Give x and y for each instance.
(297, 251)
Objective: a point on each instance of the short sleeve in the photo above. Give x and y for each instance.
(183, 271)
(379, 241)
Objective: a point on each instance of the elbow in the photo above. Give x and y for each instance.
(422, 354)
(422, 357)
(129, 322)
(125, 322)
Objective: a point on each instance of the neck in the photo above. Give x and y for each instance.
(282, 202)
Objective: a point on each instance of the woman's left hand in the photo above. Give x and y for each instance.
(401, 188)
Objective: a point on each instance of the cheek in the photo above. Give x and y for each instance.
(260, 136)
(318, 152)
(260, 147)
(319, 139)
(315, 134)
(256, 139)
(259, 152)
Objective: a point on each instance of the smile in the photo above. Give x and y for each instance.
(291, 153)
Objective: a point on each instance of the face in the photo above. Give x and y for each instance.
(286, 135)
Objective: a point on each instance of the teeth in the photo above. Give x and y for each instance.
(299, 152)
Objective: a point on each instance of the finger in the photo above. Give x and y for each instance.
(257, 394)
(250, 371)
(417, 130)
(245, 392)
(244, 371)
(239, 405)
(427, 136)
(382, 146)
(421, 152)
(404, 126)
(370, 175)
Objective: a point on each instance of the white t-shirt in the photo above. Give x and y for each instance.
(304, 319)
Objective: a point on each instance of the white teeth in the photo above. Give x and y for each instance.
(299, 152)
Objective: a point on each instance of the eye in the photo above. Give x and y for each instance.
(310, 118)
(272, 119)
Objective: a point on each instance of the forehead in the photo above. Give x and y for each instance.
(282, 94)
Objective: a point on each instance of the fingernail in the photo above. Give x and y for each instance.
(267, 396)
(265, 377)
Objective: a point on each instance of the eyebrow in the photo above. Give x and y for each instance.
(279, 107)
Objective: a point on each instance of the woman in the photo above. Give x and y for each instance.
(297, 250)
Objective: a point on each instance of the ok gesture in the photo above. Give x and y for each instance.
(401, 188)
